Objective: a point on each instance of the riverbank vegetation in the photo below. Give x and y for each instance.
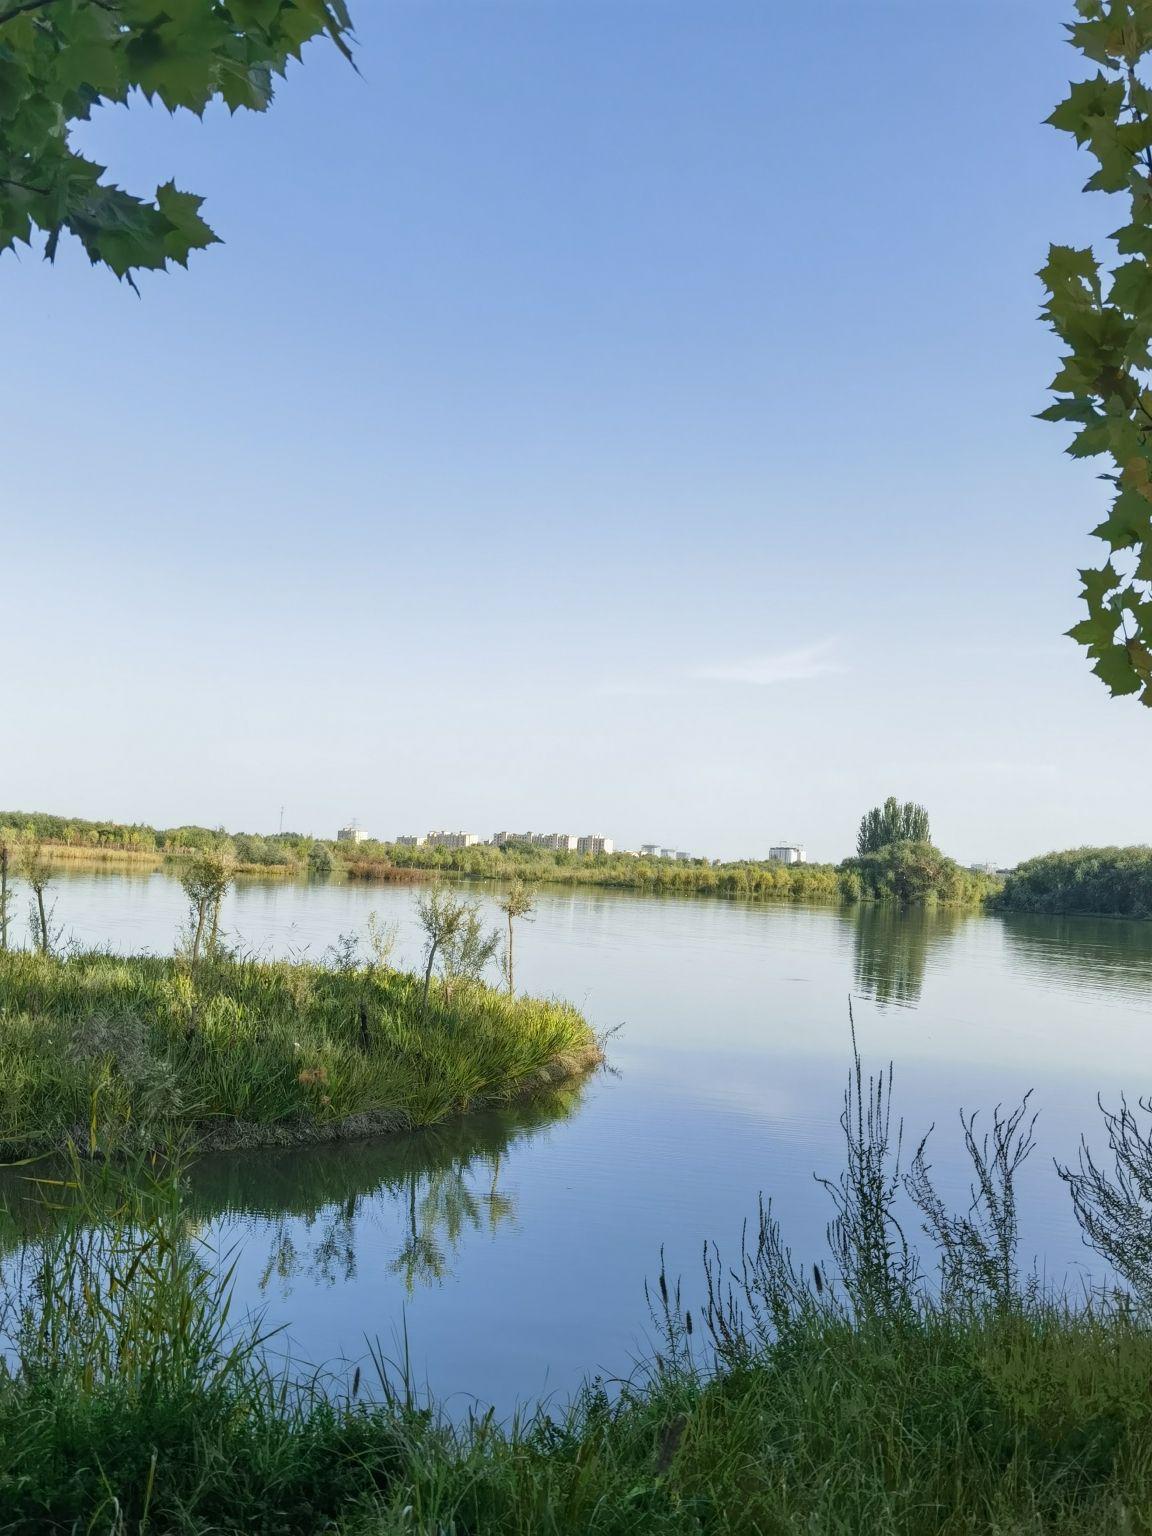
(868, 1390)
(1104, 882)
(893, 866)
(122, 1051)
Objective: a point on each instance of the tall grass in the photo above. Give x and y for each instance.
(117, 1051)
(866, 1393)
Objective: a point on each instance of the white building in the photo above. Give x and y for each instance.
(558, 842)
(594, 843)
(350, 834)
(452, 839)
(411, 842)
(682, 856)
(667, 853)
(788, 853)
(649, 850)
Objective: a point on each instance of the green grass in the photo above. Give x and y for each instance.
(853, 1396)
(125, 1050)
(130, 1401)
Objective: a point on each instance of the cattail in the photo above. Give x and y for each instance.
(688, 1323)
(663, 1289)
(356, 1381)
(819, 1279)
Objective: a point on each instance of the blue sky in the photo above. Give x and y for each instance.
(601, 416)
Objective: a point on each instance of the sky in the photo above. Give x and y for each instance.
(602, 416)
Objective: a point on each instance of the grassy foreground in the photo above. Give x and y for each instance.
(856, 1395)
(127, 1050)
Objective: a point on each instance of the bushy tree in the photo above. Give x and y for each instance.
(206, 879)
(890, 823)
(61, 58)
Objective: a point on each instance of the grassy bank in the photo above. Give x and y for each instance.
(1099, 882)
(128, 1049)
(857, 1394)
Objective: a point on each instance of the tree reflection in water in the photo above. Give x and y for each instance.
(438, 1186)
(894, 945)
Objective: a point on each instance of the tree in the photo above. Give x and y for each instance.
(440, 916)
(5, 897)
(206, 880)
(1105, 321)
(61, 58)
(519, 900)
(892, 823)
(37, 871)
(467, 952)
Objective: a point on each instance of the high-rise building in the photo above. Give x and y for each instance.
(452, 839)
(594, 843)
(411, 842)
(788, 853)
(351, 834)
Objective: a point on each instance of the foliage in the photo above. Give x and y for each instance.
(1113, 882)
(85, 1040)
(1104, 319)
(130, 1400)
(294, 853)
(61, 59)
(892, 823)
(517, 902)
(919, 873)
(206, 880)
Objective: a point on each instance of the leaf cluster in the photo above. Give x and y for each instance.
(1104, 318)
(61, 59)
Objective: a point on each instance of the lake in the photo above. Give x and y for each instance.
(507, 1254)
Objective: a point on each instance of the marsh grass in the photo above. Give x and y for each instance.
(116, 1052)
(864, 1393)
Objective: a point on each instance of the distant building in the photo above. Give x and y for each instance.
(594, 843)
(558, 842)
(452, 839)
(350, 834)
(680, 854)
(411, 842)
(649, 850)
(788, 853)
(667, 853)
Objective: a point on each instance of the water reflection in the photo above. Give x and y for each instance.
(425, 1194)
(893, 946)
(1109, 954)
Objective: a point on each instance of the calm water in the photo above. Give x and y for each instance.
(512, 1249)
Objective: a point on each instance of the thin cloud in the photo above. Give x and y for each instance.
(778, 667)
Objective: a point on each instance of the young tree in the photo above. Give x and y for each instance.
(206, 880)
(892, 823)
(5, 897)
(440, 916)
(61, 58)
(518, 901)
(468, 952)
(1104, 319)
(37, 871)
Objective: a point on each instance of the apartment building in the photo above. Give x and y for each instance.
(594, 843)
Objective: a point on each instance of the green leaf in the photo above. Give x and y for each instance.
(1114, 668)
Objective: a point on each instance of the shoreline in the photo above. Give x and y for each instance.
(383, 1124)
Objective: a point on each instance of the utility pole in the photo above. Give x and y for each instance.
(281, 820)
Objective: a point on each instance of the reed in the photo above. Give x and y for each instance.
(863, 1393)
(114, 1051)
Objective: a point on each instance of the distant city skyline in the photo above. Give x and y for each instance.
(640, 418)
